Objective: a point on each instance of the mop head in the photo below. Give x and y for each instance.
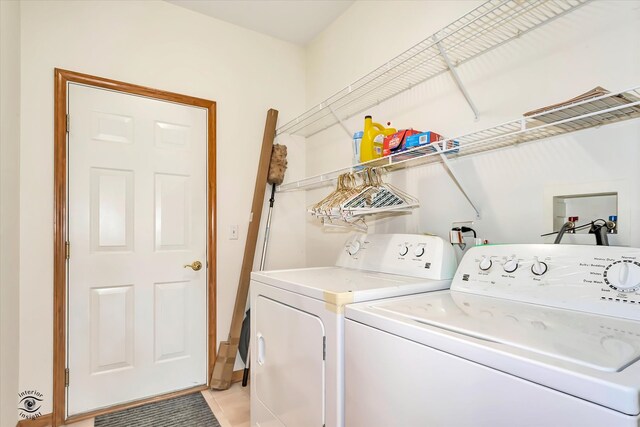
(278, 164)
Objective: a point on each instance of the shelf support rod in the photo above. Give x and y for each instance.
(455, 75)
(341, 122)
(452, 174)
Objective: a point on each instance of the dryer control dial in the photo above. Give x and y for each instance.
(485, 263)
(353, 247)
(623, 275)
(419, 251)
(510, 265)
(404, 249)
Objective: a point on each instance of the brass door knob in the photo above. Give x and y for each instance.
(195, 265)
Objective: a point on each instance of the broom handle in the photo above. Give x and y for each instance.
(245, 375)
(268, 228)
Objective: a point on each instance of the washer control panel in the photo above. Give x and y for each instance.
(599, 279)
(415, 255)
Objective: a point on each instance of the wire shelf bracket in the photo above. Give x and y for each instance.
(344, 127)
(456, 77)
(455, 178)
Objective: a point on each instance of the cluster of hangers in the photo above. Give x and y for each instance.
(358, 194)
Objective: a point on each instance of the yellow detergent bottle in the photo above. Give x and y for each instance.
(372, 140)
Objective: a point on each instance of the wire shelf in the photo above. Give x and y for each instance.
(484, 28)
(593, 112)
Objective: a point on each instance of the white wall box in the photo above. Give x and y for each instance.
(587, 207)
(589, 200)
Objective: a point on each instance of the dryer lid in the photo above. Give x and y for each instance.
(599, 342)
(340, 285)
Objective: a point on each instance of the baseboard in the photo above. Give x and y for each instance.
(45, 420)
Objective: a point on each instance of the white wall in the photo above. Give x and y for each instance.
(9, 208)
(160, 45)
(598, 44)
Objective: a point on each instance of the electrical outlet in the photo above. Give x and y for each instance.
(456, 235)
(233, 232)
(462, 224)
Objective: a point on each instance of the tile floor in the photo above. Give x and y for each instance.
(231, 407)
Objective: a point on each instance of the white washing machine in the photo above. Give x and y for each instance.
(528, 335)
(297, 322)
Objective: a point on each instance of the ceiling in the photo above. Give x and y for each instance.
(296, 21)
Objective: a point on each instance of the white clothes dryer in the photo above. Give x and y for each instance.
(297, 322)
(528, 335)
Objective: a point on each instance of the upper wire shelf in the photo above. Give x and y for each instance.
(597, 111)
(484, 28)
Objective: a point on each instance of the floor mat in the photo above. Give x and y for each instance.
(188, 411)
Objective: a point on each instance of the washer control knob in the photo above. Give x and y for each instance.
(419, 251)
(539, 268)
(510, 265)
(485, 263)
(403, 250)
(623, 276)
(353, 247)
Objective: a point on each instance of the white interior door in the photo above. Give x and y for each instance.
(289, 367)
(137, 215)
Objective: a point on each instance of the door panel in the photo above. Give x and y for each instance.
(172, 136)
(111, 322)
(137, 215)
(171, 327)
(289, 369)
(111, 127)
(111, 209)
(172, 211)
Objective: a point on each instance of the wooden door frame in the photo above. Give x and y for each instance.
(61, 80)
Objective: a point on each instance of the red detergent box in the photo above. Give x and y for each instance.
(397, 142)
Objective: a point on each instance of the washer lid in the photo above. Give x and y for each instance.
(599, 342)
(339, 285)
